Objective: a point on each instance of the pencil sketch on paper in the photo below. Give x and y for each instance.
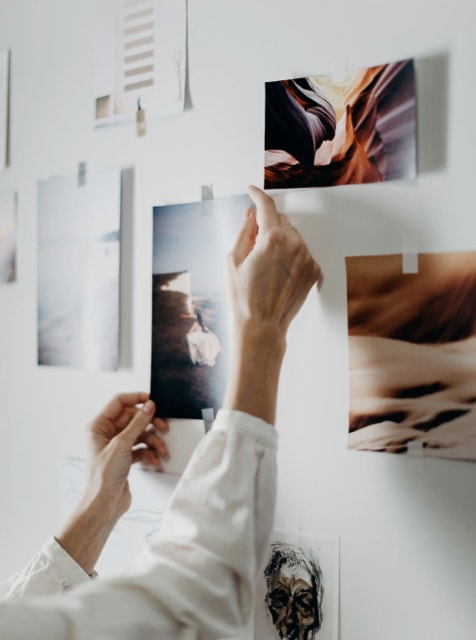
(79, 271)
(297, 595)
(412, 348)
(190, 316)
(325, 131)
(8, 237)
(140, 59)
(138, 527)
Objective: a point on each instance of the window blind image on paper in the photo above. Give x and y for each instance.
(190, 314)
(412, 354)
(140, 55)
(78, 271)
(325, 131)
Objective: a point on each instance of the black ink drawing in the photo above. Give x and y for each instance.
(297, 593)
(295, 590)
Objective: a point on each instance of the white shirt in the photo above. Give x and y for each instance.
(197, 579)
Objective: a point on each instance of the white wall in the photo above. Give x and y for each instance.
(407, 526)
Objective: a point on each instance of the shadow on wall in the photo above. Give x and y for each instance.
(432, 112)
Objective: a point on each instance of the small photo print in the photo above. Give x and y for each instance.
(325, 130)
(412, 355)
(8, 237)
(297, 593)
(78, 271)
(190, 309)
(4, 107)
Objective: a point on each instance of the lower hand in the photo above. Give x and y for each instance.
(123, 433)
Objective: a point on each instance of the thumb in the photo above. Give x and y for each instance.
(138, 424)
(246, 237)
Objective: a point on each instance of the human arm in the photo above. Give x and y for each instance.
(197, 579)
(270, 274)
(119, 436)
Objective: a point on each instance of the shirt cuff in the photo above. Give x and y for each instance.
(247, 424)
(73, 572)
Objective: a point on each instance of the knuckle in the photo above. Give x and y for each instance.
(276, 236)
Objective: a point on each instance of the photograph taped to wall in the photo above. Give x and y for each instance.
(412, 354)
(78, 271)
(297, 594)
(326, 130)
(4, 107)
(137, 528)
(140, 58)
(190, 309)
(8, 237)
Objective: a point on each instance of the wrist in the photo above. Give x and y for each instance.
(258, 353)
(86, 531)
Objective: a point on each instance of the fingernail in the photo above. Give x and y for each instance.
(148, 407)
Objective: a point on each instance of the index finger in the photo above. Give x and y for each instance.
(115, 407)
(266, 214)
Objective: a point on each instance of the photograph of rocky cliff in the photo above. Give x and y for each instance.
(324, 131)
(190, 317)
(412, 355)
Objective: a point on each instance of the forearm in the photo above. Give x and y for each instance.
(86, 531)
(253, 379)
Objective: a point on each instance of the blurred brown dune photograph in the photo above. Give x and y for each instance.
(412, 355)
(326, 130)
(190, 320)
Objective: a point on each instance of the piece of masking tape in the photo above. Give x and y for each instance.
(339, 70)
(207, 199)
(410, 255)
(415, 448)
(208, 416)
(141, 125)
(82, 170)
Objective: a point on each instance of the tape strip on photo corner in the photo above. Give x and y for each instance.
(208, 416)
(207, 199)
(410, 255)
(339, 70)
(415, 448)
(82, 171)
(141, 125)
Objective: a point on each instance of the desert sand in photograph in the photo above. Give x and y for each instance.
(412, 354)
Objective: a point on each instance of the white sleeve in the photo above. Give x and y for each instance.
(50, 571)
(197, 579)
